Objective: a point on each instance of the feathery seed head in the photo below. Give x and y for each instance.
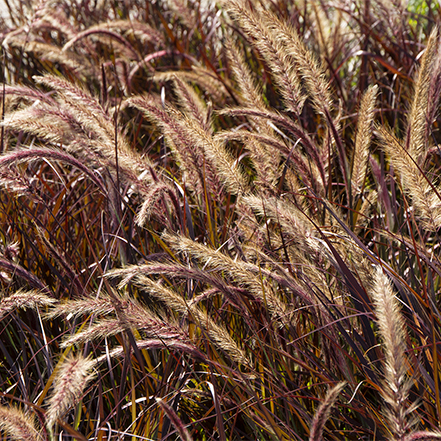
(72, 378)
(23, 300)
(19, 426)
(323, 412)
(392, 330)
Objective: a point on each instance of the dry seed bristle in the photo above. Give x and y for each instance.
(54, 54)
(312, 73)
(290, 218)
(183, 9)
(417, 120)
(29, 277)
(427, 435)
(239, 271)
(156, 193)
(201, 155)
(250, 94)
(102, 329)
(38, 122)
(323, 412)
(19, 426)
(84, 111)
(56, 19)
(192, 104)
(24, 300)
(216, 333)
(424, 195)
(86, 306)
(363, 139)
(268, 44)
(130, 315)
(78, 96)
(73, 375)
(392, 329)
(149, 325)
(196, 166)
(227, 169)
(102, 33)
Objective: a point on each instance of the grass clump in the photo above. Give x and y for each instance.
(220, 220)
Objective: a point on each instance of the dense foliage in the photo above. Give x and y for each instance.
(220, 220)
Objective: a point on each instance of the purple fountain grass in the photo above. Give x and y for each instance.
(73, 374)
(284, 72)
(18, 425)
(396, 386)
(24, 300)
(186, 201)
(323, 412)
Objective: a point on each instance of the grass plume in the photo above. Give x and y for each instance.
(73, 374)
(19, 426)
(396, 386)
